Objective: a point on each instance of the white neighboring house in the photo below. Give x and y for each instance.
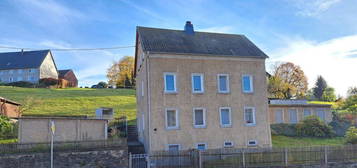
(30, 66)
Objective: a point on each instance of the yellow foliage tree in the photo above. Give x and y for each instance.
(120, 73)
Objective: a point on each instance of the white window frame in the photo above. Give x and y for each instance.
(254, 117)
(177, 119)
(252, 140)
(175, 82)
(168, 146)
(228, 146)
(202, 83)
(201, 143)
(303, 111)
(142, 88)
(251, 83)
(230, 117)
(219, 84)
(297, 115)
(194, 117)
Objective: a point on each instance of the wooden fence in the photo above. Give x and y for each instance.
(257, 157)
(62, 146)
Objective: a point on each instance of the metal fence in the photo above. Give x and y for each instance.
(256, 157)
(61, 146)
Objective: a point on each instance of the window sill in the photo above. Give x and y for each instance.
(169, 129)
(223, 92)
(199, 126)
(226, 126)
(198, 92)
(250, 125)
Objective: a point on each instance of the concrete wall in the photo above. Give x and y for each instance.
(48, 68)
(38, 130)
(9, 110)
(300, 112)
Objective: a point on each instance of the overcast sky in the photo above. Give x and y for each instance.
(318, 35)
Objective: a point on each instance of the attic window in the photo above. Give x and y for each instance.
(252, 143)
(228, 144)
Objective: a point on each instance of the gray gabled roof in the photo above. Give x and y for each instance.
(62, 73)
(21, 60)
(156, 40)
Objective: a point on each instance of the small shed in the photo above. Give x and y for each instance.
(37, 129)
(9, 108)
(104, 113)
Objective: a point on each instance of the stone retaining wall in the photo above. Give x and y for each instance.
(115, 158)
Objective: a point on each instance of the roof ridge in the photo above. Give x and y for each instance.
(138, 27)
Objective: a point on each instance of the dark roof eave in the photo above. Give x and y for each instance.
(195, 54)
(300, 105)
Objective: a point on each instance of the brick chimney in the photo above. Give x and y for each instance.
(189, 28)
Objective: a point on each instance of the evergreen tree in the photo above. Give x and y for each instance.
(320, 87)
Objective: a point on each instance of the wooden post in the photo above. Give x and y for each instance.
(243, 158)
(130, 161)
(286, 157)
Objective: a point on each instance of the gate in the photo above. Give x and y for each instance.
(138, 161)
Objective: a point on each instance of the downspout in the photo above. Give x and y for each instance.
(149, 97)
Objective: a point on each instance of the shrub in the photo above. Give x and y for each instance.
(21, 84)
(284, 129)
(339, 124)
(46, 82)
(7, 129)
(351, 135)
(312, 126)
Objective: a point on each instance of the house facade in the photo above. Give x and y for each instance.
(29, 66)
(293, 111)
(67, 78)
(200, 90)
(9, 108)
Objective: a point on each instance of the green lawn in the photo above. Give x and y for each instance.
(283, 141)
(74, 101)
(7, 141)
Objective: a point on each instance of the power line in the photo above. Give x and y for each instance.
(68, 49)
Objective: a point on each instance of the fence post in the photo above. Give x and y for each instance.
(130, 161)
(199, 159)
(286, 156)
(325, 152)
(148, 161)
(243, 158)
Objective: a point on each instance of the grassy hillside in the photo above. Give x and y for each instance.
(284, 141)
(74, 101)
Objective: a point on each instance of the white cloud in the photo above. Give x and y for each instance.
(334, 59)
(313, 8)
(218, 29)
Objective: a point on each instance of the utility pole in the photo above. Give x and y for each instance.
(53, 129)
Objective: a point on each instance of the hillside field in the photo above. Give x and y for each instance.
(73, 101)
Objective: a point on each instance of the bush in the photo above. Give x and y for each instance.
(284, 129)
(7, 129)
(312, 126)
(351, 135)
(46, 82)
(339, 125)
(21, 84)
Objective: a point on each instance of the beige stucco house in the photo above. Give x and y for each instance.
(293, 111)
(200, 90)
(30, 66)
